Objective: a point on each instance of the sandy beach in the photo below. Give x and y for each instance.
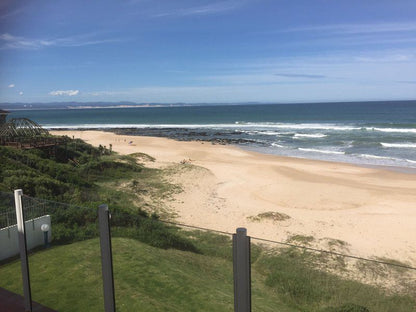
(372, 210)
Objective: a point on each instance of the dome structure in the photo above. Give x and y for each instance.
(22, 128)
(3, 116)
(24, 133)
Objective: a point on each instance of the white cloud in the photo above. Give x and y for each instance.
(371, 75)
(348, 90)
(358, 28)
(11, 13)
(21, 93)
(351, 34)
(213, 8)
(11, 85)
(64, 92)
(300, 75)
(108, 93)
(9, 41)
(390, 58)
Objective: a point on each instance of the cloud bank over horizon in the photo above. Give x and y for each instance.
(64, 92)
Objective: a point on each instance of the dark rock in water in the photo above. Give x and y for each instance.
(183, 134)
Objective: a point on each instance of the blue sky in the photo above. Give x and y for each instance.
(207, 51)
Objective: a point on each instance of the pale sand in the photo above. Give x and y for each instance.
(373, 210)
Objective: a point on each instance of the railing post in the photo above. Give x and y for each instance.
(106, 258)
(23, 249)
(242, 271)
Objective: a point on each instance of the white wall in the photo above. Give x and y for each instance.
(9, 242)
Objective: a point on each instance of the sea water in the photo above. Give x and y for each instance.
(365, 133)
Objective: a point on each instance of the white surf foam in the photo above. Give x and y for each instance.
(320, 151)
(393, 130)
(269, 132)
(376, 157)
(300, 126)
(317, 135)
(241, 126)
(399, 145)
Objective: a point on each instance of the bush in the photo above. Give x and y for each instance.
(64, 234)
(150, 231)
(71, 177)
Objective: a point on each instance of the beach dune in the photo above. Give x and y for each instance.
(372, 211)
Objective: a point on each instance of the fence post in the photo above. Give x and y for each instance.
(242, 271)
(23, 249)
(106, 258)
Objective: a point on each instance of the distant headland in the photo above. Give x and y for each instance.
(98, 105)
(127, 104)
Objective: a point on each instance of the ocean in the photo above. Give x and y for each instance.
(363, 133)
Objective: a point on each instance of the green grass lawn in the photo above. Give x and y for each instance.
(68, 278)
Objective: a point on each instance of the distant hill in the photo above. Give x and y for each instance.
(127, 104)
(69, 105)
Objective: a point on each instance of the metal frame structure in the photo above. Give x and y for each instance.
(23, 250)
(242, 271)
(24, 133)
(106, 258)
(22, 127)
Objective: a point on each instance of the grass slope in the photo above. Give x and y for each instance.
(68, 278)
